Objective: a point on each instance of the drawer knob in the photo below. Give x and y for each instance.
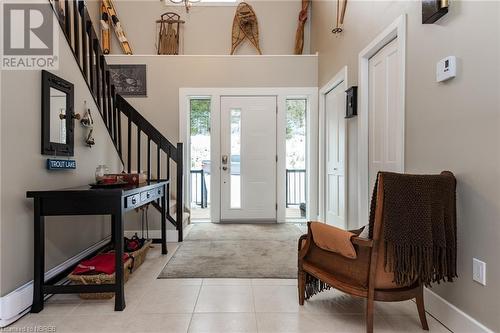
(133, 201)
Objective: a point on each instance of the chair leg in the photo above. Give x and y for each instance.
(369, 313)
(302, 287)
(421, 309)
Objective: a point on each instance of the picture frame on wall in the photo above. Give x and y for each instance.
(129, 80)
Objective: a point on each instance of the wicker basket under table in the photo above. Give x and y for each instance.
(130, 266)
(140, 255)
(100, 279)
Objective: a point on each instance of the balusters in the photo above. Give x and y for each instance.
(149, 160)
(111, 108)
(97, 91)
(138, 149)
(180, 206)
(129, 144)
(76, 30)
(84, 43)
(119, 120)
(103, 94)
(67, 21)
(158, 162)
(91, 54)
(168, 184)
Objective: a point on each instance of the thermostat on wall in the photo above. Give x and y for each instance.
(446, 68)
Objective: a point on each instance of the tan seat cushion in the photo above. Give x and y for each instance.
(333, 239)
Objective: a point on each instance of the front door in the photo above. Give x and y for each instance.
(335, 156)
(248, 158)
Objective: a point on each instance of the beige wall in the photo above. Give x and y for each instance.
(23, 168)
(208, 28)
(453, 125)
(166, 74)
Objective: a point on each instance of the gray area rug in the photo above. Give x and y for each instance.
(236, 251)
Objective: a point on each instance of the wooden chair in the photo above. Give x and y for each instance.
(364, 276)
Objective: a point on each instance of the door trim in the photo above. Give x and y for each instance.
(339, 79)
(396, 30)
(282, 93)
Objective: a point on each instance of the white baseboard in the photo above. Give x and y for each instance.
(18, 302)
(449, 315)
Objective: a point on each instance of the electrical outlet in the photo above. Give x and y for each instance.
(479, 271)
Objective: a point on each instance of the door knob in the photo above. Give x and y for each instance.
(224, 168)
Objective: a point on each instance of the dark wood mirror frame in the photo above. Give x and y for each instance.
(50, 80)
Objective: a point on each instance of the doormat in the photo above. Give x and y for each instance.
(236, 251)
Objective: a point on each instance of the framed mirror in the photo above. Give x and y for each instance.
(57, 116)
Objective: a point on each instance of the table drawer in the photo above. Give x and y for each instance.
(133, 201)
(148, 195)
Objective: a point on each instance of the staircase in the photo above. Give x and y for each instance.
(121, 118)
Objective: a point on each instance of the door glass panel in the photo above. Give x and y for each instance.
(200, 158)
(296, 159)
(235, 163)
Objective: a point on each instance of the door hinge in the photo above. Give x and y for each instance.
(276, 206)
(276, 158)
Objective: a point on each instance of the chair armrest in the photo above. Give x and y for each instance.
(302, 239)
(363, 242)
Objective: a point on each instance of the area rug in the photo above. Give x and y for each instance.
(236, 251)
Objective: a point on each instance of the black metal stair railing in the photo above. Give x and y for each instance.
(78, 29)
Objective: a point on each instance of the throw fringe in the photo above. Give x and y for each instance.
(425, 264)
(314, 286)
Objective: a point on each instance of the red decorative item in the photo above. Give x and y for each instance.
(129, 178)
(103, 263)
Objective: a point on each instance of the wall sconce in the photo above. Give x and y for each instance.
(433, 10)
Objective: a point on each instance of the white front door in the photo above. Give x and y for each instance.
(385, 127)
(335, 156)
(248, 158)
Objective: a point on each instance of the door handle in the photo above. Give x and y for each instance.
(224, 159)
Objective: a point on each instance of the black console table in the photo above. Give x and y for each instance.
(87, 201)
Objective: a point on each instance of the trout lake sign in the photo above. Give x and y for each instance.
(55, 164)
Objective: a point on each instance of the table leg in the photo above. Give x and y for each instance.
(39, 258)
(163, 223)
(117, 220)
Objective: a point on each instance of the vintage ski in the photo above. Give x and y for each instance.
(117, 27)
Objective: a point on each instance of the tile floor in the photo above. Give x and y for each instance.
(218, 305)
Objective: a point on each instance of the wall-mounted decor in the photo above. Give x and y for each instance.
(351, 104)
(245, 26)
(88, 122)
(299, 35)
(57, 164)
(168, 37)
(341, 8)
(129, 80)
(433, 10)
(57, 116)
(110, 10)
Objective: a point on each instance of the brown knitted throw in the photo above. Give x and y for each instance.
(419, 226)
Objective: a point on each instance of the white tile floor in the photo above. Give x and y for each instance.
(219, 305)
